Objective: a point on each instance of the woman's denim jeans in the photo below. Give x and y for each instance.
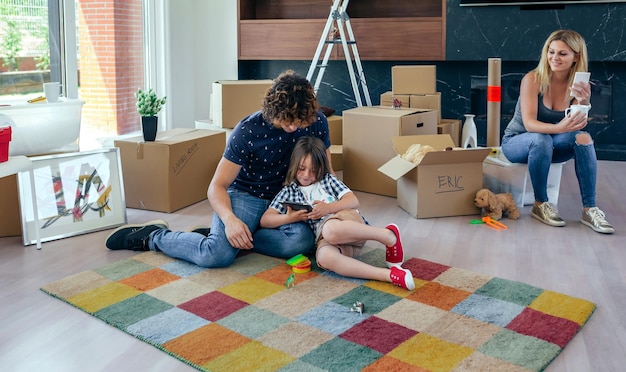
(216, 251)
(539, 150)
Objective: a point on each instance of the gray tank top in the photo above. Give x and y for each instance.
(516, 125)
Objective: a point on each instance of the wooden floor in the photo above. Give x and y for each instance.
(38, 332)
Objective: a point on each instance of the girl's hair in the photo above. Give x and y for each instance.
(306, 146)
(576, 42)
(291, 98)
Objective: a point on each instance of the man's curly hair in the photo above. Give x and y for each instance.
(291, 98)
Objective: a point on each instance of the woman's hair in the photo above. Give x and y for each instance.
(306, 146)
(576, 42)
(291, 98)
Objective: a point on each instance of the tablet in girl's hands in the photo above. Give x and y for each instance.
(580, 77)
(297, 206)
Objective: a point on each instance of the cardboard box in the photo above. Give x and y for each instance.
(10, 218)
(172, 172)
(386, 99)
(233, 100)
(451, 127)
(427, 101)
(335, 125)
(367, 133)
(500, 175)
(336, 157)
(443, 184)
(421, 101)
(414, 79)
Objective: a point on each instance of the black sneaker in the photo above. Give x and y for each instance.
(201, 229)
(134, 237)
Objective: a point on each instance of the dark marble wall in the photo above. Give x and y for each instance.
(475, 34)
(516, 34)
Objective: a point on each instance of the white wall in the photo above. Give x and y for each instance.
(201, 47)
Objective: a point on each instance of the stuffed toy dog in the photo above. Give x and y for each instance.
(496, 205)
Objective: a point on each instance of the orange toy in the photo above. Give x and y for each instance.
(494, 224)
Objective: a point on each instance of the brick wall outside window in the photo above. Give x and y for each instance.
(111, 64)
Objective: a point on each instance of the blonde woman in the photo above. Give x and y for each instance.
(540, 133)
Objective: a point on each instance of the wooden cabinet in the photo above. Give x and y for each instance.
(409, 30)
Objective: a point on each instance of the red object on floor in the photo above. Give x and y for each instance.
(395, 253)
(5, 138)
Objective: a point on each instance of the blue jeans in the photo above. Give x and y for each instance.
(538, 150)
(215, 250)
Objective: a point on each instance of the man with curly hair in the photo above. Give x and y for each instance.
(251, 172)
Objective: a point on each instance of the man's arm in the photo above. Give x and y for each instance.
(237, 233)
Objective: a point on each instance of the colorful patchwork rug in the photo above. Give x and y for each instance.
(245, 317)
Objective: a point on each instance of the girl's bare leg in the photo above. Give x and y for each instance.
(346, 232)
(330, 258)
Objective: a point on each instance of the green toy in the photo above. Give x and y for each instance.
(296, 260)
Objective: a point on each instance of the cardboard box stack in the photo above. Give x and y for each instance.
(416, 87)
(367, 133)
(233, 100)
(172, 172)
(444, 183)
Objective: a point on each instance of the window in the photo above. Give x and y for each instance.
(24, 48)
(95, 48)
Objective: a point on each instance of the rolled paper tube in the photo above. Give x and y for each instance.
(494, 94)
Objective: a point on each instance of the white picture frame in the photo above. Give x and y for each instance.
(76, 193)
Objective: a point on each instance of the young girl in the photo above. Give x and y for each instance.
(339, 227)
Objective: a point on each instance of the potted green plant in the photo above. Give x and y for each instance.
(149, 105)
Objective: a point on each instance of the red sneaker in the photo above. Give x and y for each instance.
(402, 278)
(395, 253)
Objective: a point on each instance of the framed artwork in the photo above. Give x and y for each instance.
(76, 193)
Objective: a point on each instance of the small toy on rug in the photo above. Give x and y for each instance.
(300, 264)
(291, 281)
(415, 153)
(358, 307)
(496, 205)
(295, 260)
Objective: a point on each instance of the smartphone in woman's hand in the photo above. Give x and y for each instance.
(580, 77)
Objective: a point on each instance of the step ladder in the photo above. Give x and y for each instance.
(337, 19)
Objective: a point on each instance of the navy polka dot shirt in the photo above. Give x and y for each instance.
(263, 151)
